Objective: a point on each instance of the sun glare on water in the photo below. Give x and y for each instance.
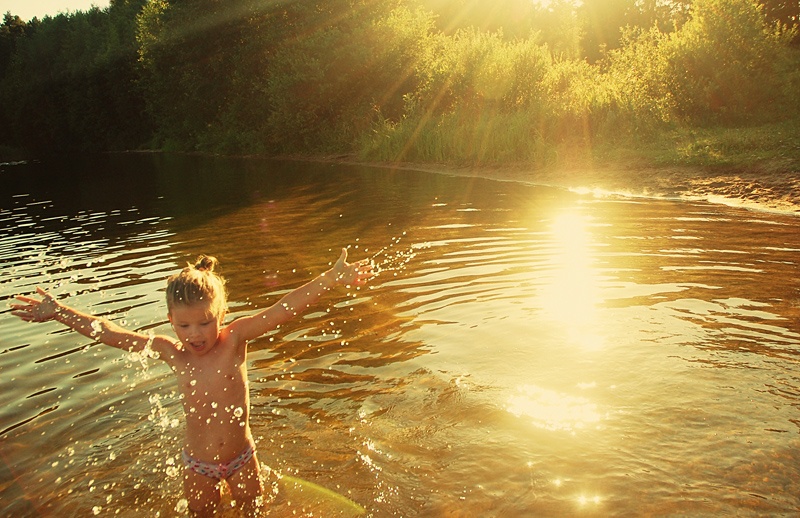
(572, 296)
(568, 301)
(552, 410)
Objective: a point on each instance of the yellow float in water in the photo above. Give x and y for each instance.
(310, 499)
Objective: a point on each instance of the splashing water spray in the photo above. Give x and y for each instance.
(393, 258)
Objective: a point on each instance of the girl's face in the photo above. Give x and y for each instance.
(196, 326)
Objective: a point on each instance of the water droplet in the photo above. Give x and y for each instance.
(96, 510)
(193, 383)
(182, 505)
(97, 327)
(238, 411)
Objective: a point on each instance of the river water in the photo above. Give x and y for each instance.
(524, 351)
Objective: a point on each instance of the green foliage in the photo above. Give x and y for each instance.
(194, 55)
(431, 80)
(603, 21)
(762, 147)
(60, 85)
(12, 30)
(728, 63)
(483, 99)
(725, 65)
(640, 77)
(327, 85)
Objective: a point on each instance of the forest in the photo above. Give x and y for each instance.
(446, 81)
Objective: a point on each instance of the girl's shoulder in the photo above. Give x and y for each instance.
(166, 347)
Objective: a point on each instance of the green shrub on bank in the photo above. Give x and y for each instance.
(725, 65)
(484, 99)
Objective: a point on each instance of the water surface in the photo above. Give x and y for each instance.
(524, 351)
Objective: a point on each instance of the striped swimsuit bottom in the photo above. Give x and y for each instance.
(219, 471)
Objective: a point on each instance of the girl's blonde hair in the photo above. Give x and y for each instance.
(198, 283)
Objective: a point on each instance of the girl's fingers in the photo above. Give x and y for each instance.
(23, 314)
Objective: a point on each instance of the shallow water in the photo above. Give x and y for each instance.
(524, 351)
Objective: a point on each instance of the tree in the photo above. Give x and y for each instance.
(603, 21)
(786, 13)
(729, 64)
(328, 84)
(70, 84)
(512, 18)
(205, 65)
(12, 30)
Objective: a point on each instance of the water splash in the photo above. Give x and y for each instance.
(393, 257)
(160, 415)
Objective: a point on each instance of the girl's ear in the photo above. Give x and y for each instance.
(169, 316)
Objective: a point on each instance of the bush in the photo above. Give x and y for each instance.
(728, 65)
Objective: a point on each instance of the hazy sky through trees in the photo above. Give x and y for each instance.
(27, 9)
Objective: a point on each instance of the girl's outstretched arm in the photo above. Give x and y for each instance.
(97, 328)
(300, 299)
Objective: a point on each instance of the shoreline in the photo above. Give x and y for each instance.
(767, 185)
(772, 185)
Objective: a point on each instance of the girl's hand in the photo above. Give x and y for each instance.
(352, 274)
(35, 310)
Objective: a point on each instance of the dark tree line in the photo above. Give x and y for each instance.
(71, 82)
(240, 76)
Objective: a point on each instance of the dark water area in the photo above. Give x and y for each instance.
(524, 350)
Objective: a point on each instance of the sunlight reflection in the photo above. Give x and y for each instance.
(584, 500)
(551, 410)
(573, 293)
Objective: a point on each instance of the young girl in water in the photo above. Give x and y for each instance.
(210, 362)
